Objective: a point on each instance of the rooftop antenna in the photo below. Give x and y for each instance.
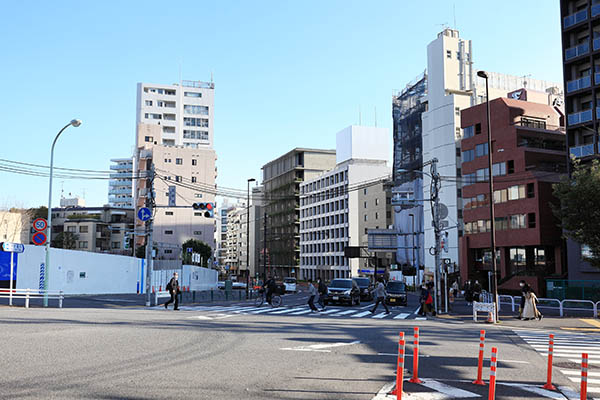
(525, 80)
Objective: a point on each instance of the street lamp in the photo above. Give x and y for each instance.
(75, 123)
(484, 75)
(248, 237)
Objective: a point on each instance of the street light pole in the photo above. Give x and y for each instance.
(248, 237)
(484, 75)
(75, 123)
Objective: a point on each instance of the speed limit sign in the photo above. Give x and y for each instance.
(40, 224)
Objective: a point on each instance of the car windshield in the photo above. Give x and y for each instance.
(290, 280)
(341, 283)
(362, 282)
(396, 287)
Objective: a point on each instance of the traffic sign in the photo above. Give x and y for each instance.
(144, 214)
(39, 238)
(12, 247)
(40, 224)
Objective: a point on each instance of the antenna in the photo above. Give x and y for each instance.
(525, 80)
(62, 189)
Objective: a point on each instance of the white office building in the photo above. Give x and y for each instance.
(330, 213)
(120, 185)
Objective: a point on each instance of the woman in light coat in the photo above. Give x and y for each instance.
(530, 310)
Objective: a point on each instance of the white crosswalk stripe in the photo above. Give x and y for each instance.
(380, 315)
(568, 346)
(361, 314)
(401, 316)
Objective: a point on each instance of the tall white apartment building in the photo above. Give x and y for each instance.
(235, 244)
(120, 185)
(330, 213)
(453, 85)
(175, 136)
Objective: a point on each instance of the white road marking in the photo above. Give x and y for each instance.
(302, 312)
(537, 390)
(246, 309)
(262, 311)
(569, 393)
(449, 391)
(406, 355)
(361, 314)
(577, 372)
(578, 361)
(380, 315)
(330, 311)
(320, 347)
(204, 317)
(416, 311)
(594, 381)
(421, 319)
(287, 311)
(401, 316)
(344, 313)
(369, 306)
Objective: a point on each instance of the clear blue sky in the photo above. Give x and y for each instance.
(287, 73)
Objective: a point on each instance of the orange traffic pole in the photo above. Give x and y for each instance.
(549, 384)
(479, 380)
(399, 368)
(584, 376)
(493, 365)
(415, 377)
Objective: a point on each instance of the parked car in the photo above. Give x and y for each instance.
(366, 288)
(343, 291)
(221, 285)
(396, 294)
(290, 285)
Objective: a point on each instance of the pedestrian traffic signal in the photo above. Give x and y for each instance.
(208, 208)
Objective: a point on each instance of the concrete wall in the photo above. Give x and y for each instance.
(362, 142)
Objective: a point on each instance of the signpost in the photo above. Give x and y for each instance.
(144, 214)
(39, 238)
(12, 248)
(40, 224)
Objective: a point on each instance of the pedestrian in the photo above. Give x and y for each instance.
(428, 302)
(530, 310)
(469, 292)
(322, 289)
(476, 291)
(422, 298)
(173, 288)
(380, 294)
(270, 286)
(525, 288)
(312, 293)
(455, 289)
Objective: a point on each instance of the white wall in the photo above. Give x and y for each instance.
(362, 143)
(104, 273)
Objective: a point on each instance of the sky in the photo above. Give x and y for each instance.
(287, 73)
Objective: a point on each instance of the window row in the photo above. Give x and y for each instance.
(199, 122)
(190, 134)
(479, 151)
(192, 94)
(323, 208)
(472, 130)
(325, 182)
(516, 192)
(170, 92)
(324, 221)
(195, 110)
(322, 247)
(323, 195)
(518, 221)
(483, 174)
(324, 260)
(325, 234)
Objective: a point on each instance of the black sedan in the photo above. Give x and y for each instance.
(366, 289)
(343, 291)
(396, 294)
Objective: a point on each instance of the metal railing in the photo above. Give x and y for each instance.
(595, 10)
(27, 294)
(577, 51)
(580, 117)
(556, 304)
(578, 84)
(575, 18)
(582, 151)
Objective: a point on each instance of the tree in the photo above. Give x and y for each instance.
(197, 246)
(577, 211)
(65, 240)
(39, 212)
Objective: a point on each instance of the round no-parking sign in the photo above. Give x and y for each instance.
(39, 238)
(40, 224)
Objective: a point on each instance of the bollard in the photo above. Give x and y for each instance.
(27, 298)
(479, 380)
(584, 376)
(399, 368)
(415, 377)
(493, 365)
(549, 384)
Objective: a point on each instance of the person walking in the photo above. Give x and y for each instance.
(530, 310)
(312, 293)
(428, 300)
(476, 291)
(422, 298)
(173, 288)
(322, 289)
(468, 292)
(525, 288)
(380, 294)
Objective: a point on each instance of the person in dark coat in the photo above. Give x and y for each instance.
(270, 286)
(173, 288)
(468, 292)
(322, 289)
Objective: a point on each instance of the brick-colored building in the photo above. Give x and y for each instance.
(528, 152)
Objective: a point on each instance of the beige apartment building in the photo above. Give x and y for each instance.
(14, 226)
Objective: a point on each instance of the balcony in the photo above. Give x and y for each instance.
(580, 117)
(120, 191)
(121, 167)
(115, 199)
(578, 84)
(574, 19)
(126, 183)
(577, 51)
(595, 10)
(582, 151)
(122, 175)
(596, 44)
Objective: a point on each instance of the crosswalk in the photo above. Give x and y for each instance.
(567, 349)
(301, 310)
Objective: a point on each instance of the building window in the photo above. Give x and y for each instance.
(468, 132)
(510, 166)
(71, 229)
(168, 212)
(365, 191)
(199, 122)
(179, 161)
(193, 179)
(457, 111)
(468, 155)
(197, 233)
(83, 245)
(448, 53)
(168, 232)
(530, 190)
(366, 217)
(191, 134)
(195, 110)
(83, 229)
(481, 150)
(115, 245)
(376, 215)
(194, 162)
(198, 195)
(149, 102)
(168, 251)
(517, 221)
(376, 202)
(365, 204)
(477, 129)
(531, 220)
(192, 94)
(178, 178)
(197, 214)
(148, 138)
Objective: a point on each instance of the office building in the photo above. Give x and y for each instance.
(580, 20)
(120, 185)
(338, 206)
(528, 144)
(281, 182)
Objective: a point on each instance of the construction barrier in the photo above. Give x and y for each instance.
(479, 380)
(415, 377)
(549, 384)
(493, 366)
(584, 376)
(399, 368)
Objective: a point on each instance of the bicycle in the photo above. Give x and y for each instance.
(276, 300)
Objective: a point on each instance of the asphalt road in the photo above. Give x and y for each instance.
(125, 351)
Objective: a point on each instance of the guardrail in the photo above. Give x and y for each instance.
(27, 294)
(560, 305)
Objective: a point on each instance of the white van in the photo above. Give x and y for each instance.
(290, 285)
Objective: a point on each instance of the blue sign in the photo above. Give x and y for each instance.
(12, 247)
(5, 266)
(42, 276)
(144, 214)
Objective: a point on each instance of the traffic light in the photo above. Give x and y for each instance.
(208, 208)
(126, 245)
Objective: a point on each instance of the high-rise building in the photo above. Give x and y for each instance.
(120, 185)
(281, 182)
(175, 137)
(338, 206)
(256, 232)
(580, 21)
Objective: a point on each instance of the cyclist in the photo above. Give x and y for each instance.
(270, 286)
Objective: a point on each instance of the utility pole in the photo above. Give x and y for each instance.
(435, 199)
(265, 250)
(149, 238)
